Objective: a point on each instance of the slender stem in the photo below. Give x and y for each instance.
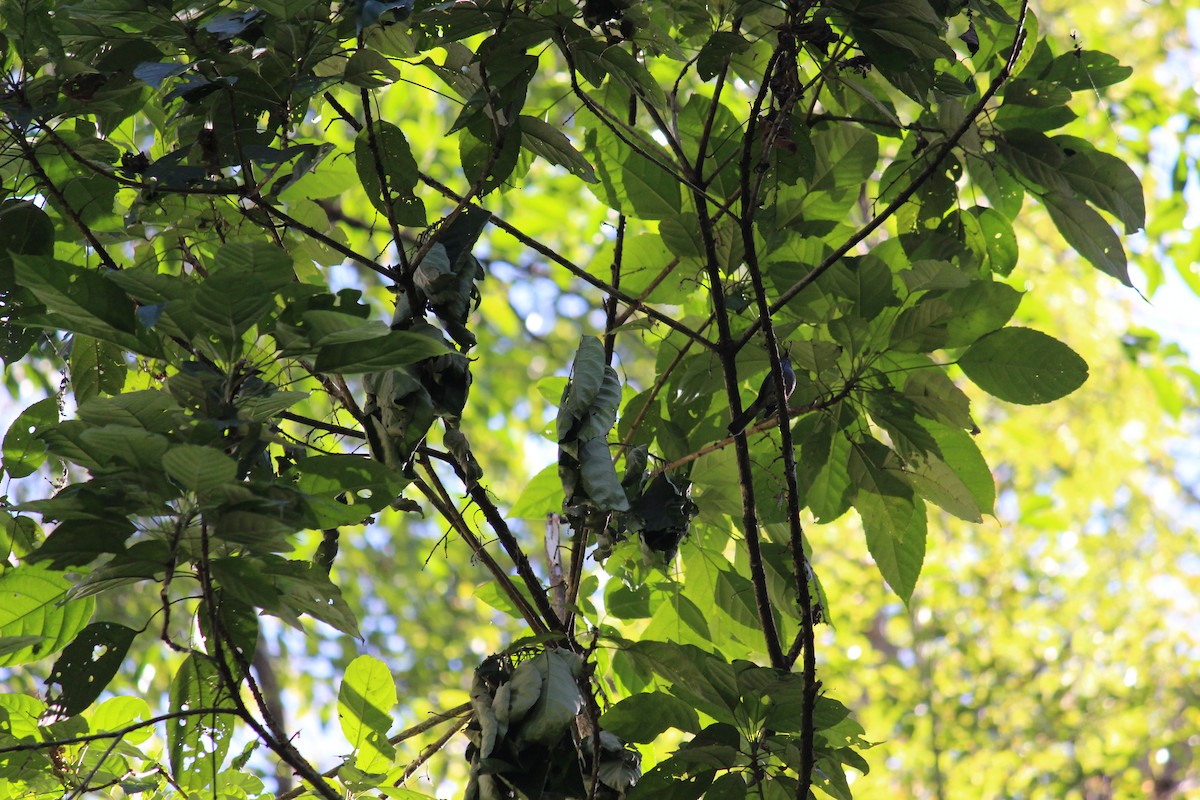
(328, 241)
(741, 449)
(788, 451)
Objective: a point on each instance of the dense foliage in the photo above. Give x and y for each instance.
(309, 273)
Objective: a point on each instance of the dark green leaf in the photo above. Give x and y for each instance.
(24, 452)
(559, 701)
(198, 468)
(552, 144)
(86, 666)
(653, 191)
(587, 376)
(1024, 366)
(1036, 158)
(1084, 70)
(388, 172)
(370, 69)
(1105, 181)
(396, 349)
(96, 368)
(83, 300)
(600, 476)
(892, 519)
(980, 308)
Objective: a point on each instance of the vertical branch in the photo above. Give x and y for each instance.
(728, 356)
(800, 568)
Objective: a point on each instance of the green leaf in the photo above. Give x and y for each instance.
(1005, 194)
(653, 191)
(553, 145)
(1025, 366)
(306, 589)
(396, 349)
(83, 301)
(587, 376)
(370, 69)
(939, 482)
(197, 743)
(262, 407)
(1086, 70)
(198, 468)
(624, 602)
(151, 409)
(958, 450)
(96, 368)
(399, 172)
(120, 712)
(598, 60)
(600, 476)
(35, 606)
(703, 680)
(642, 717)
(1034, 156)
(1089, 234)
(355, 486)
(486, 164)
(91, 199)
(980, 308)
(86, 666)
(265, 264)
(1104, 180)
(999, 240)
(24, 452)
(365, 702)
(541, 496)
(828, 495)
(717, 48)
(922, 328)
(846, 157)
(559, 701)
(931, 390)
(892, 519)
(25, 228)
(239, 290)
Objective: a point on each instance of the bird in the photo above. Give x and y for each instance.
(765, 405)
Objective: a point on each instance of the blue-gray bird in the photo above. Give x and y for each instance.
(764, 405)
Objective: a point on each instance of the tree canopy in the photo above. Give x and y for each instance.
(379, 361)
